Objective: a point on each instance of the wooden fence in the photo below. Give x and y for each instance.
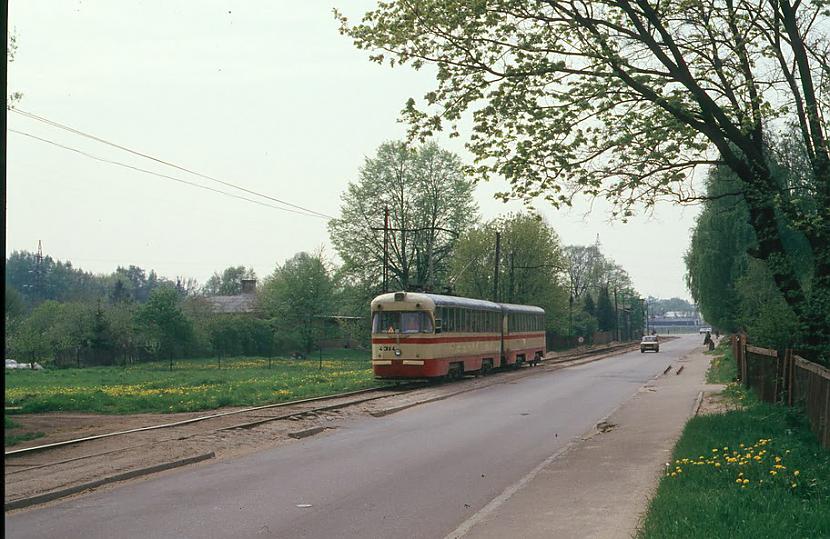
(784, 377)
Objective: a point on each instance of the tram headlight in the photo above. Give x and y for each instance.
(397, 351)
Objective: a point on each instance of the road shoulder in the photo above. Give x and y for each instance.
(601, 485)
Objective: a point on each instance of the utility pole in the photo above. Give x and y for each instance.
(616, 315)
(386, 249)
(510, 292)
(39, 271)
(496, 275)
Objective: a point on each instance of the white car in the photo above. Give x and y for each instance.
(704, 329)
(649, 342)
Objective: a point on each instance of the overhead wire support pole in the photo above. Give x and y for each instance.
(616, 315)
(386, 250)
(496, 274)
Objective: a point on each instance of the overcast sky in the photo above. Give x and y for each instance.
(263, 94)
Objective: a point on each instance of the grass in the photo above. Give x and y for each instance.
(755, 472)
(192, 385)
(13, 439)
(722, 369)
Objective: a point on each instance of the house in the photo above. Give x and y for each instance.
(244, 303)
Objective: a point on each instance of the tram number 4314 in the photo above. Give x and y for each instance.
(389, 349)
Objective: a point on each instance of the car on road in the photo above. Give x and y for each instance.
(649, 342)
(704, 329)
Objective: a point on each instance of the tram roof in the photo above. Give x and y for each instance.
(524, 309)
(465, 303)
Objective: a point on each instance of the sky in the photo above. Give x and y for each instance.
(266, 95)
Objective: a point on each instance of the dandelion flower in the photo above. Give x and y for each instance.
(746, 481)
(796, 472)
(772, 472)
(739, 480)
(717, 465)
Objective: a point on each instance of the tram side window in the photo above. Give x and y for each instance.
(401, 322)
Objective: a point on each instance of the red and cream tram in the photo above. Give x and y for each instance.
(418, 335)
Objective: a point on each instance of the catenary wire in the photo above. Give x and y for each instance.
(139, 169)
(162, 161)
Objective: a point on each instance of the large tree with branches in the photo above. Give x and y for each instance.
(626, 98)
(430, 204)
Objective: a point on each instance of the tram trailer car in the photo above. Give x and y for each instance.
(417, 336)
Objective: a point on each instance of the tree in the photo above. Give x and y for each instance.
(430, 203)
(165, 328)
(297, 297)
(606, 315)
(229, 283)
(626, 98)
(585, 265)
(589, 306)
(531, 266)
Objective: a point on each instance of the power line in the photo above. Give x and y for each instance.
(153, 173)
(162, 161)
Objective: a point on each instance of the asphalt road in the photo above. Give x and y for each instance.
(418, 473)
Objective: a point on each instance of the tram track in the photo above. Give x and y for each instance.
(79, 460)
(261, 420)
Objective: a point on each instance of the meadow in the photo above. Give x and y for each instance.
(192, 384)
(757, 471)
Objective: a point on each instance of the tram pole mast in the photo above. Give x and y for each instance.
(616, 316)
(496, 274)
(386, 249)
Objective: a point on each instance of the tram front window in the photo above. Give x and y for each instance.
(402, 322)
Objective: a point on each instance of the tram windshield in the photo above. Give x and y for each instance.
(401, 322)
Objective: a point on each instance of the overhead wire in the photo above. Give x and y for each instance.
(160, 175)
(164, 162)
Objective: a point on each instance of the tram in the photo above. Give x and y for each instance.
(417, 336)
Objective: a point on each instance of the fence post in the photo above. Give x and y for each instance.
(744, 362)
(780, 374)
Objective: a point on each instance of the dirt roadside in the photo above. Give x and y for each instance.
(62, 468)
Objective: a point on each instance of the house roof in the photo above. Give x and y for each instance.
(243, 303)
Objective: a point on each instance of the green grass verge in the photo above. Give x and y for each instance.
(722, 369)
(192, 385)
(720, 482)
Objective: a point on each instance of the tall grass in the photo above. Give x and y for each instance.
(722, 369)
(750, 473)
(192, 385)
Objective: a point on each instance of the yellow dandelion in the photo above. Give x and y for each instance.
(674, 474)
(796, 472)
(715, 450)
(717, 465)
(746, 481)
(793, 485)
(739, 480)
(772, 472)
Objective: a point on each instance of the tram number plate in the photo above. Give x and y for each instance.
(388, 348)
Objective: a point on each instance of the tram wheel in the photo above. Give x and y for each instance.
(486, 367)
